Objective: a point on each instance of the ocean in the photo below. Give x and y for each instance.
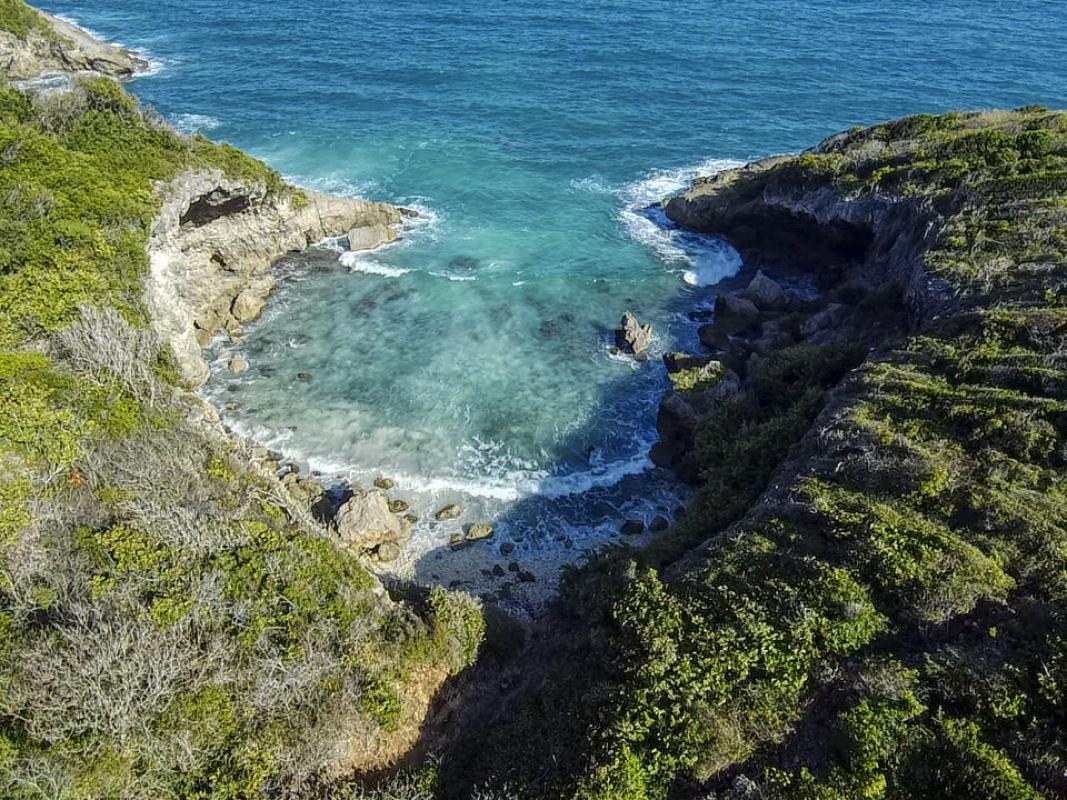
(471, 362)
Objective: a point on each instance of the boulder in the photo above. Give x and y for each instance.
(370, 236)
(734, 314)
(366, 522)
(766, 294)
(833, 314)
(448, 512)
(249, 303)
(238, 364)
(385, 484)
(677, 362)
(659, 524)
(632, 336)
(698, 378)
(479, 531)
(632, 527)
(304, 490)
(398, 506)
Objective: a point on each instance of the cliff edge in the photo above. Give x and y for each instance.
(34, 43)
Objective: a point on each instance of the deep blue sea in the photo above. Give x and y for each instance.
(471, 361)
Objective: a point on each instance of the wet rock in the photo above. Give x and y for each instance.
(233, 406)
(766, 294)
(659, 524)
(366, 522)
(507, 549)
(676, 424)
(457, 541)
(448, 512)
(632, 527)
(411, 518)
(479, 531)
(467, 263)
(498, 571)
(527, 577)
(398, 506)
(632, 336)
(385, 484)
(514, 566)
(550, 328)
(238, 364)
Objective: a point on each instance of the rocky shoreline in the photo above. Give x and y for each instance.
(865, 255)
(58, 46)
(215, 242)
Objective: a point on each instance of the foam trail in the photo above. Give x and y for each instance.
(357, 261)
(191, 123)
(710, 259)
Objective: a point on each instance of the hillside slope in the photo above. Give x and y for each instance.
(868, 595)
(173, 620)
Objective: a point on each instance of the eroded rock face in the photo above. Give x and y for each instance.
(632, 336)
(366, 522)
(71, 49)
(214, 243)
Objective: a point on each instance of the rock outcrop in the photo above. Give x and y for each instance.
(214, 244)
(59, 46)
(632, 336)
(366, 522)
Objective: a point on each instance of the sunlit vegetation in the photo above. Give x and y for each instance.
(868, 596)
(172, 625)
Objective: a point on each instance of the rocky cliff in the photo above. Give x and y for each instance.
(174, 621)
(215, 241)
(867, 595)
(40, 43)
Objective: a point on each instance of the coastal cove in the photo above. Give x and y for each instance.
(521, 401)
(470, 362)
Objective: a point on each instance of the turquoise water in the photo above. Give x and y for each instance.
(471, 360)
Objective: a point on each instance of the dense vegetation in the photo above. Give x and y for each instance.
(172, 624)
(18, 18)
(889, 619)
(866, 599)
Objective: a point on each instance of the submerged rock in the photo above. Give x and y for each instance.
(632, 336)
(632, 527)
(659, 524)
(238, 364)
